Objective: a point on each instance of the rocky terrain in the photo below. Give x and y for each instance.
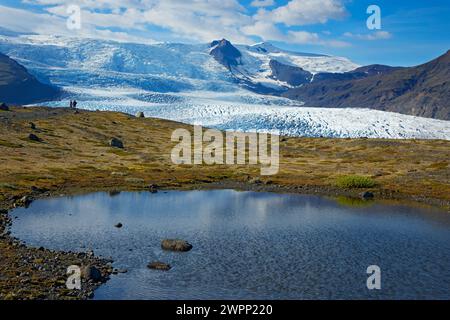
(39, 273)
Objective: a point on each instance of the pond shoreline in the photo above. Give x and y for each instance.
(32, 273)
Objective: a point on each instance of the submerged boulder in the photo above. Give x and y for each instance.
(157, 265)
(176, 245)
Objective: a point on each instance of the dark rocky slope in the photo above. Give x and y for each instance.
(225, 53)
(294, 76)
(18, 86)
(423, 90)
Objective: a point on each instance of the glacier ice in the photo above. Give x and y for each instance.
(182, 82)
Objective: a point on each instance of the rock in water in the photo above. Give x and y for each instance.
(157, 265)
(153, 188)
(34, 137)
(91, 273)
(118, 225)
(121, 270)
(140, 115)
(4, 107)
(116, 143)
(176, 245)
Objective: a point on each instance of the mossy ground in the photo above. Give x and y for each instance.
(74, 152)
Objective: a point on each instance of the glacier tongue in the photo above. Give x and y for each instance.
(244, 111)
(182, 82)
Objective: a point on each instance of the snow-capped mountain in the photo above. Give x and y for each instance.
(198, 83)
(169, 66)
(257, 62)
(265, 68)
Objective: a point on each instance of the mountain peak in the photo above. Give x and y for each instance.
(225, 53)
(223, 43)
(265, 47)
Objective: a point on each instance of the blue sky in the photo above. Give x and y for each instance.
(412, 32)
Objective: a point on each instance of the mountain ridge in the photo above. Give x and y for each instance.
(18, 86)
(423, 90)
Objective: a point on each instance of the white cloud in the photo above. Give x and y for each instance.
(303, 37)
(268, 32)
(262, 3)
(50, 24)
(303, 12)
(196, 20)
(377, 35)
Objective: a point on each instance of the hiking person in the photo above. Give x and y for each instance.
(74, 103)
(71, 104)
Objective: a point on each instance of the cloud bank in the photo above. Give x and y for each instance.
(195, 20)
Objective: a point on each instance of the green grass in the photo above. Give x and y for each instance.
(355, 181)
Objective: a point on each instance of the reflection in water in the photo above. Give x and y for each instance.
(248, 245)
(354, 202)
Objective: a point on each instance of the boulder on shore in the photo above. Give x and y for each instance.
(116, 143)
(4, 107)
(24, 201)
(367, 195)
(157, 265)
(91, 273)
(34, 137)
(176, 245)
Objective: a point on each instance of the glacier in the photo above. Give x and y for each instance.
(182, 82)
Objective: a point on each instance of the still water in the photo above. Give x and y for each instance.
(249, 245)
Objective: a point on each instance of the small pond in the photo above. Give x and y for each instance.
(249, 245)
